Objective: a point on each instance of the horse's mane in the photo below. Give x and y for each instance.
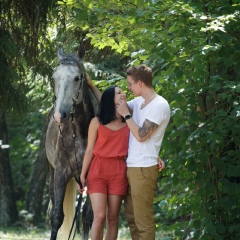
(70, 59)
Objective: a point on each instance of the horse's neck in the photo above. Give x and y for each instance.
(83, 114)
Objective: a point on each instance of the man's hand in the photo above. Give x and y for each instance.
(122, 107)
(161, 164)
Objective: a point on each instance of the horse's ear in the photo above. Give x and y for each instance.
(81, 52)
(60, 53)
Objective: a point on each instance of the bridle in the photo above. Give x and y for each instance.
(67, 61)
(72, 61)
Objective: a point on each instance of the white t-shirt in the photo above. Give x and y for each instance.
(145, 154)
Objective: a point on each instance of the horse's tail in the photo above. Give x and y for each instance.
(69, 210)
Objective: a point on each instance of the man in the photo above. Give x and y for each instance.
(147, 118)
(151, 114)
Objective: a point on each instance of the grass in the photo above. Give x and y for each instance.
(34, 233)
(23, 233)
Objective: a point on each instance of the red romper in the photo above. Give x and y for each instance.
(107, 172)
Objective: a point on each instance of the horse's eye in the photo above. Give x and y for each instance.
(76, 78)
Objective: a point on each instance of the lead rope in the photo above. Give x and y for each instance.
(77, 211)
(74, 132)
(77, 179)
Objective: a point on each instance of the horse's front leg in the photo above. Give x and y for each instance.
(51, 189)
(57, 215)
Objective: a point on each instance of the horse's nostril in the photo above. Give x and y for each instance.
(63, 116)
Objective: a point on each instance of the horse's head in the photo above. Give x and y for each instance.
(69, 78)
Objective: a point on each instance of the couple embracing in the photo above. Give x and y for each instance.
(122, 156)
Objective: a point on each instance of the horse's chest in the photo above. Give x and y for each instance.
(64, 146)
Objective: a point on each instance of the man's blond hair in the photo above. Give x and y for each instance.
(141, 73)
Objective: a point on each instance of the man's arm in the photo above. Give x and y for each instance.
(141, 133)
(144, 132)
(95, 91)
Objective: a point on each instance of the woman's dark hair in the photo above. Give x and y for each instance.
(106, 112)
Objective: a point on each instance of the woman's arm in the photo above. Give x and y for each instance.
(95, 91)
(92, 137)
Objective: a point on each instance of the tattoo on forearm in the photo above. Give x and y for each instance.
(147, 127)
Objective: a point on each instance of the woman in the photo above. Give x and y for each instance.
(104, 165)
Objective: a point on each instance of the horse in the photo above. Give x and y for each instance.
(66, 141)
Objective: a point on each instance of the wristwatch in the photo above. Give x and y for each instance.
(128, 116)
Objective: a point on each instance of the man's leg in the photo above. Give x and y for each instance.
(128, 208)
(143, 183)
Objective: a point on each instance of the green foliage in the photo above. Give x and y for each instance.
(12, 90)
(24, 138)
(22, 35)
(193, 48)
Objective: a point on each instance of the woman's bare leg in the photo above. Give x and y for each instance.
(99, 205)
(113, 208)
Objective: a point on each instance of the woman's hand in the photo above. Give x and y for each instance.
(83, 181)
(89, 81)
(95, 91)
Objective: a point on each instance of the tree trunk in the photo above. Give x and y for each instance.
(8, 208)
(35, 199)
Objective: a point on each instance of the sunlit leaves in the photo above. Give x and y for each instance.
(193, 48)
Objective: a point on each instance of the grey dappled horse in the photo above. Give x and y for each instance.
(66, 141)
